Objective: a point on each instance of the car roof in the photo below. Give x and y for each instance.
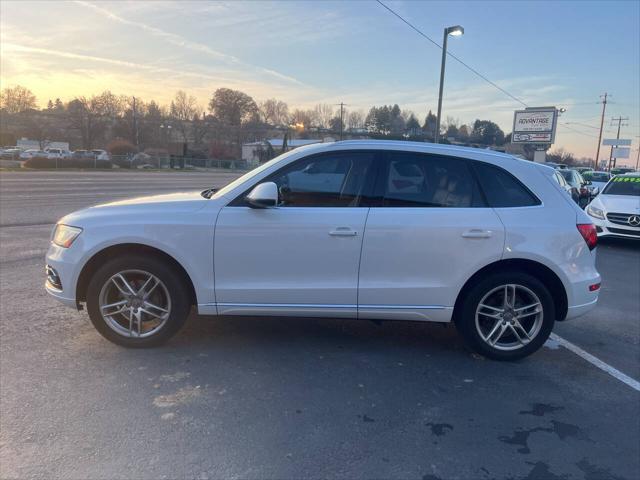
(629, 174)
(422, 147)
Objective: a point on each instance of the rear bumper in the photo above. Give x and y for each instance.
(578, 310)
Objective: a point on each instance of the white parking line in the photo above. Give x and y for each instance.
(614, 372)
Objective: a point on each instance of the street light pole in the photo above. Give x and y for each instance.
(456, 30)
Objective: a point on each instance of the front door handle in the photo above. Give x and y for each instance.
(343, 232)
(477, 233)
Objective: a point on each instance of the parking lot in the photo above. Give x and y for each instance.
(286, 397)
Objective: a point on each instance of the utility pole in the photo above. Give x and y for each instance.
(135, 121)
(342, 105)
(604, 106)
(619, 120)
(638, 159)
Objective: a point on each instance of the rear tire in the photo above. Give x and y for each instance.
(147, 312)
(506, 331)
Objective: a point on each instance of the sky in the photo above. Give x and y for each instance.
(561, 53)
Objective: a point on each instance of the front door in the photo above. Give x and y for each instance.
(301, 257)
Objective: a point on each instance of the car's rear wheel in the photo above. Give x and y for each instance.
(506, 316)
(137, 302)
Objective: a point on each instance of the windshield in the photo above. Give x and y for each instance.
(623, 186)
(568, 176)
(596, 176)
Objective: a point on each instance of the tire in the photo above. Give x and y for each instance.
(167, 304)
(533, 328)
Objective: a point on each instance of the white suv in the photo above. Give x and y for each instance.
(358, 229)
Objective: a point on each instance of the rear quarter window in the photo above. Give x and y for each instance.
(501, 189)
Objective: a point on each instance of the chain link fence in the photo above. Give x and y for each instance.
(177, 162)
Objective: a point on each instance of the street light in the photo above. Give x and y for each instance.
(454, 31)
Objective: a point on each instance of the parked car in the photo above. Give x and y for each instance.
(572, 191)
(83, 154)
(616, 211)
(556, 165)
(101, 154)
(412, 232)
(581, 170)
(621, 170)
(597, 179)
(57, 153)
(11, 153)
(573, 178)
(33, 153)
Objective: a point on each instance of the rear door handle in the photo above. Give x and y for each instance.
(477, 233)
(343, 232)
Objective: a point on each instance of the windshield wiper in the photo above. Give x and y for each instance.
(208, 192)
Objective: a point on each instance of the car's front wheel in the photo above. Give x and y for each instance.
(506, 316)
(137, 302)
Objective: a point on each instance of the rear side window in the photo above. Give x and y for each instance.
(422, 180)
(502, 189)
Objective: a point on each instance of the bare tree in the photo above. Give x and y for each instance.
(274, 112)
(355, 119)
(17, 99)
(301, 117)
(183, 108)
(323, 113)
(84, 117)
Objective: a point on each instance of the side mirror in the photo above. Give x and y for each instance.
(263, 195)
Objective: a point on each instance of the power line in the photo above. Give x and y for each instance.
(582, 124)
(578, 131)
(421, 33)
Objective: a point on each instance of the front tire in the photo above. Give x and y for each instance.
(506, 316)
(137, 302)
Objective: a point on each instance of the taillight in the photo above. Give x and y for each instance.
(588, 232)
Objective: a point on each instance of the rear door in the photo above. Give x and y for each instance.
(431, 230)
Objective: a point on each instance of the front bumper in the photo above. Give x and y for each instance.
(605, 228)
(64, 264)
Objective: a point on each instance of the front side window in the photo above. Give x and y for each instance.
(502, 189)
(335, 179)
(422, 180)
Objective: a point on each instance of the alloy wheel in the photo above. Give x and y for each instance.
(509, 317)
(134, 303)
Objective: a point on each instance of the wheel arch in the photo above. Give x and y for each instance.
(543, 273)
(98, 259)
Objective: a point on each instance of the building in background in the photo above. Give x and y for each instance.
(252, 151)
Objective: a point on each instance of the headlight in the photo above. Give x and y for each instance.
(595, 212)
(64, 235)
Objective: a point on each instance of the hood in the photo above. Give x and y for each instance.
(620, 203)
(168, 204)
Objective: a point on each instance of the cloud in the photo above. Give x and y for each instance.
(183, 42)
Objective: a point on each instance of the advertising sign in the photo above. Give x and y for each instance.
(621, 152)
(617, 142)
(534, 125)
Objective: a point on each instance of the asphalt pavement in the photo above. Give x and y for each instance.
(249, 397)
